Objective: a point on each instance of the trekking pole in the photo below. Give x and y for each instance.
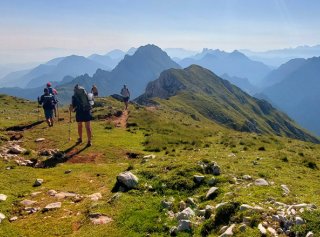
(69, 124)
(38, 110)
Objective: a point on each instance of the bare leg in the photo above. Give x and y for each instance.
(80, 130)
(89, 131)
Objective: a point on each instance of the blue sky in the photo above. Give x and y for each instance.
(35, 30)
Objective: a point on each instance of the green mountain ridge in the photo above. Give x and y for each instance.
(222, 102)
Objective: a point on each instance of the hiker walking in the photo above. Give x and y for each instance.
(54, 93)
(47, 101)
(81, 105)
(126, 95)
(94, 90)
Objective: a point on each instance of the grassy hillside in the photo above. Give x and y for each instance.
(183, 143)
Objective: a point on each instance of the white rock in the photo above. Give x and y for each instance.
(12, 219)
(272, 231)
(63, 195)
(221, 204)
(167, 205)
(2, 217)
(310, 234)
(34, 194)
(212, 191)
(99, 219)
(246, 177)
(262, 230)
(51, 206)
(285, 189)
(303, 205)
(128, 179)
(261, 182)
(27, 203)
(52, 192)
(149, 156)
(41, 139)
(38, 182)
(299, 220)
(95, 197)
(186, 214)
(190, 201)
(228, 232)
(3, 197)
(184, 225)
(244, 207)
(16, 149)
(198, 178)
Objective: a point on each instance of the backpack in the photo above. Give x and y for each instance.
(125, 92)
(48, 102)
(82, 99)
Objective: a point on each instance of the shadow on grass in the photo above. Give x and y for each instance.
(62, 156)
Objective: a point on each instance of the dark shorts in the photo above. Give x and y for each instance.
(48, 113)
(125, 99)
(83, 116)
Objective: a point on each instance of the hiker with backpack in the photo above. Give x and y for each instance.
(47, 101)
(126, 95)
(54, 93)
(94, 90)
(82, 106)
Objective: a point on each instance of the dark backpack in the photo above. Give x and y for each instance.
(82, 100)
(48, 102)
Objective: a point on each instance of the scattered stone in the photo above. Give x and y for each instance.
(31, 210)
(3, 197)
(299, 220)
(244, 207)
(211, 193)
(149, 156)
(27, 203)
(276, 218)
(12, 219)
(16, 137)
(128, 180)
(310, 234)
(52, 206)
(212, 181)
(52, 192)
(221, 204)
(68, 171)
(41, 139)
(198, 179)
(182, 205)
(184, 225)
(303, 205)
(208, 211)
(114, 197)
(35, 194)
(190, 202)
(173, 231)
(228, 232)
(261, 182)
(285, 189)
(38, 182)
(16, 149)
(99, 219)
(212, 168)
(243, 227)
(166, 204)
(2, 217)
(246, 177)
(262, 230)
(272, 231)
(201, 212)
(63, 195)
(186, 214)
(95, 197)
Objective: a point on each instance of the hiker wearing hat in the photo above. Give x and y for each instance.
(126, 95)
(81, 105)
(54, 93)
(47, 102)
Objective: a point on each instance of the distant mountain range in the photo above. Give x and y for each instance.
(297, 92)
(234, 64)
(280, 56)
(135, 71)
(242, 83)
(198, 91)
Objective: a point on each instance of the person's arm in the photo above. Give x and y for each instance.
(128, 92)
(40, 101)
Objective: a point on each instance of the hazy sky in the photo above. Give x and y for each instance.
(37, 30)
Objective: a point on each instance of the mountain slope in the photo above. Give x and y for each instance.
(217, 99)
(233, 64)
(279, 74)
(298, 94)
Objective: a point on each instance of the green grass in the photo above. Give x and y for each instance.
(180, 144)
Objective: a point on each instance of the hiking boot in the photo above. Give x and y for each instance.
(79, 141)
(89, 144)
